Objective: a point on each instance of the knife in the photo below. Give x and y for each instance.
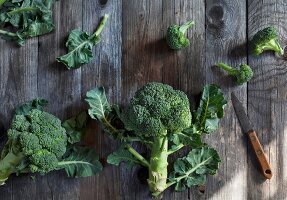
(253, 139)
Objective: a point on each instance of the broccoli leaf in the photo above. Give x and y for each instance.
(76, 127)
(211, 109)
(80, 162)
(192, 169)
(188, 137)
(122, 155)
(30, 18)
(80, 46)
(28, 106)
(101, 110)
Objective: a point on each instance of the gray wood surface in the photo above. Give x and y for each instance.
(132, 53)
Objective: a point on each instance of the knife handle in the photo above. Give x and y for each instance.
(261, 157)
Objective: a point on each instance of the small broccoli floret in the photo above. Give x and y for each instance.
(36, 142)
(243, 75)
(175, 36)
(266, 39)
(156, 111)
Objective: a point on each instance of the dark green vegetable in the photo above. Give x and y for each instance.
(175, 36)
(266, 39)
(160, 118)
(80, 46)
(243, 75)
(37, 142)
(30, 18)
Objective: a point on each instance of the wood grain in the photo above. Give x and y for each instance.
(132, 53)
(267, 102)
(225, 40)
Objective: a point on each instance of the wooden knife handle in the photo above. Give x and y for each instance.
(261, 157)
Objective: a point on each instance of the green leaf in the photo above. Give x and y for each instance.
(76, 127)
(30, 18)
(81, 162)
(188, 137)
(122, 155)
(28, 106)
(192, 169)
(101, 110)
(211, 109)
(80, 46)
(98, 103)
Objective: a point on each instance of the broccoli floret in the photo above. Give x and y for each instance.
(266, 39)
(243, 75)
(156, 111)
(175, 36)
(36, 142)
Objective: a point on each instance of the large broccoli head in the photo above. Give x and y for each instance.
(35, 143)
(266, 39)
(157, 109)
(175, 36)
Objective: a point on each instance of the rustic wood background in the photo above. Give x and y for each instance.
(133, 53)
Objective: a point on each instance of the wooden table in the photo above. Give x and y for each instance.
(132, 53)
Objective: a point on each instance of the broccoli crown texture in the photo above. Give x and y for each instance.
(175, 36)
(266, 39)
(243, 75)
(40, 137)
(157, 109)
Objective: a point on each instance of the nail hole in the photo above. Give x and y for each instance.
(201, 189)
(267, 171)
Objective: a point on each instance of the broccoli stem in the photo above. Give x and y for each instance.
(230, 70)
(2, 2)
(178, 147)
(7, 33)
(26, 9)
(275, 46)
(8, 165)
(158, 165)
(100, 27)
(142, 160)
(183, 28)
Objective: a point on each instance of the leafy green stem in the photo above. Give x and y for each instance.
(183, 28)
(100, 27)
(11, 34)
(227, 68)
(142, 160)
(2, 2)
(26, 9)
(178, 147)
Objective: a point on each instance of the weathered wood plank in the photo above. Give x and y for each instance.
(104, 70)
(267, 102)
(226, 42)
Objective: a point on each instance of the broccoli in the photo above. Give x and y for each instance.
(266, 39)
(35, 143)
(243, 75)
(175, 36)
(159, 117)
(38, 143)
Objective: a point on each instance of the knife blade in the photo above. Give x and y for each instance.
(255, 143)
(241, 114)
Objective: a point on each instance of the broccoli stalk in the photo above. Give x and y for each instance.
(8, 165)
(175, 35)
(243, 75)
(2, 2)
(158, 165)
(266, 39)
